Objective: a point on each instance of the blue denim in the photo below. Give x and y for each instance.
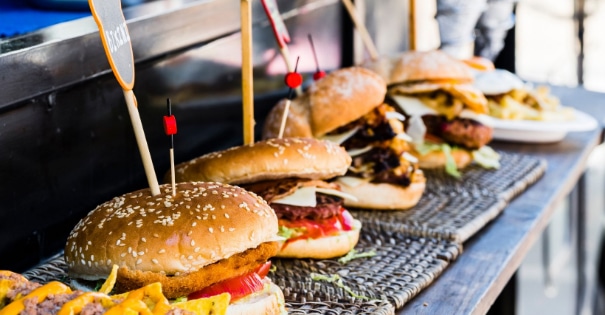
(482, 22)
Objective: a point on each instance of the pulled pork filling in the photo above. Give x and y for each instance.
(384, 162)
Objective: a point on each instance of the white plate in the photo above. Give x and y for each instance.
(541, 131)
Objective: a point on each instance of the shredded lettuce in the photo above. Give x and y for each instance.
(289, 233)
(354, 254)
(450, 164)
(487, 157)
(337, 280)
(180, 299)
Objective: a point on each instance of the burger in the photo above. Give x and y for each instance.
(289, 174)
(444, 110)
(347, 107)
(21, 296)
(206, 239)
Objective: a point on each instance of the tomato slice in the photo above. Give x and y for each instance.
(263, 270)
(346, 219)
(237, 287)
(320, 228)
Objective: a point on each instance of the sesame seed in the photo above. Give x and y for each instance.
(197, 249)
(194, 224)
(210, 229)
(161, 251)
(92, 257)
(231, 229)
(144, 240)
(141, 253)
(192, 243)
(139, 261)
(155, 261)
(227, 215)
(123, 255)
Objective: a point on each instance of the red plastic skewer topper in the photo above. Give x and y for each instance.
(293, 79)
(277, 23)
(319, 73)
(169, 121)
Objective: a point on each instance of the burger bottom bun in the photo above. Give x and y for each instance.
(383, 196)
(323, 248)
(436, 159)
(269, 301)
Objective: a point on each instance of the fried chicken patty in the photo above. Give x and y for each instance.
(184, 284)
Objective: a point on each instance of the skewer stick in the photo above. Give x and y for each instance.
(361, 28)
(284, 118)
(318, 73)
(412, 25)
(170, 129)
(247, 88)
(139, 134)
(293, 80)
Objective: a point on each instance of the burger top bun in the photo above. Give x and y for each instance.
(202, 224)
(344, 96)
(339, 98)
(268, 160)
(431, 65)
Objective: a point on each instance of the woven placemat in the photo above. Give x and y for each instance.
(401, 267)
(515, 174)
(455, 218)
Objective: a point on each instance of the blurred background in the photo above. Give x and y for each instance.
(558, 42)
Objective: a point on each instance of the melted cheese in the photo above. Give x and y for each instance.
(413, 106)
(306, 196)
(356, 152)
(340, 138)
(394, 115)
(484, 119)
(351, 181)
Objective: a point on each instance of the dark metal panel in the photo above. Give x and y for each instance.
(69, 145)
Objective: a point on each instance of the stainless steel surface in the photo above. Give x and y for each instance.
(65, 136)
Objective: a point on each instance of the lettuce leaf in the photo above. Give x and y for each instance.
(487, 157)
(289, 233)
(450, 164)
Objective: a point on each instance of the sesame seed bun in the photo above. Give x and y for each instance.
(268, 160)
(202, 224)
(339, 98)
(434, 65)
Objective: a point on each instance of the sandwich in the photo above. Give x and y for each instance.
(347, 107)
(509, 98)
(21, 296)
(445, 113)
(208, 239)
(289, 174)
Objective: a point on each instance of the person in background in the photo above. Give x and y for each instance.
(474, 27)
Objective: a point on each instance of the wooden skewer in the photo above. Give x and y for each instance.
(412, 25)
(361, 28)
(247, 87)
(139, 134)
(284, 118)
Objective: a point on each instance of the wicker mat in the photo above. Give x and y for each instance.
(456, 209)
(409, 248)
(515, 174)
(401, 267)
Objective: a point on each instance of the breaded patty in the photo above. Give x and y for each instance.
(175, 286)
